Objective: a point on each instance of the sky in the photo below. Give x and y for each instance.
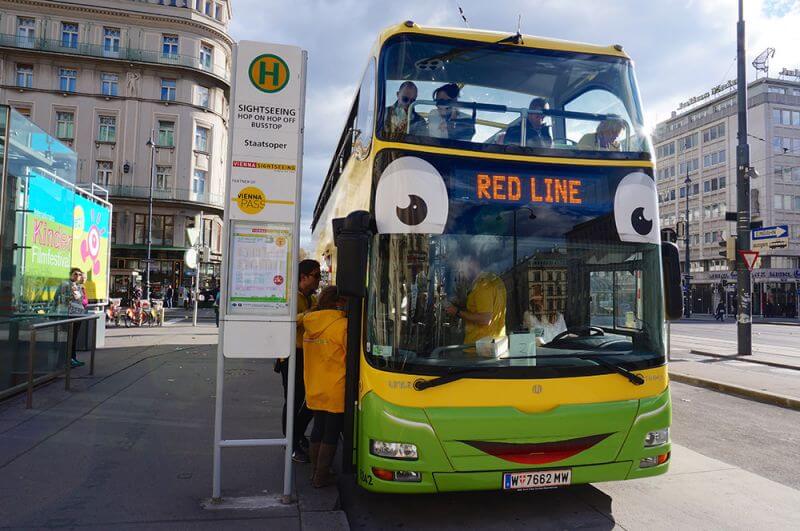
(680, 48)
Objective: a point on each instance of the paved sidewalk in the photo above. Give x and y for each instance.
(131, 447)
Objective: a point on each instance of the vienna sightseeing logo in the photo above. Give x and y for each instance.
(269, 73)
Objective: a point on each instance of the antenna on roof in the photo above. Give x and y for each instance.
(463, 17)
(761, 63)
(519, 24)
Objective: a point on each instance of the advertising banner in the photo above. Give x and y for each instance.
(90, 232)
(48, 239)
(262, 203)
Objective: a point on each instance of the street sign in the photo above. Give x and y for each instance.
(192, 234)
(190, 258)
(749, 258)
(776, 237)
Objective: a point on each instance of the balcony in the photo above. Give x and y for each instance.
(180, 195)
(117, 53)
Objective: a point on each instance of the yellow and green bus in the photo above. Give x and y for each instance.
(491, 210)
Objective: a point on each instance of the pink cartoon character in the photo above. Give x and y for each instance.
(90, 246)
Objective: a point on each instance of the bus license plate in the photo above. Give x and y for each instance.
(536, 480)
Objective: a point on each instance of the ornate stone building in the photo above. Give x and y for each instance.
(106, 76)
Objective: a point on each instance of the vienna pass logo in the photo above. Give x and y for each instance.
(251, 200)
(269, 73)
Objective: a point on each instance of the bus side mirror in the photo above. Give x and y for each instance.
(351, 236)
(671, 265)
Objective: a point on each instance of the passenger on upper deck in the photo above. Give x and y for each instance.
(396, 121)
(446, 121)
(605, 139)
(537, 133)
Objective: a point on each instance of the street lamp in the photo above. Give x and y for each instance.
(687, 311)
(151, 143)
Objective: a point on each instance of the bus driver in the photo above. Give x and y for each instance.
(484, 313)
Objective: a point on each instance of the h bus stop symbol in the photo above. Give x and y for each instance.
(269, 73)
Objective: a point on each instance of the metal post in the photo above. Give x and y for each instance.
(687, 309)
(70, 352)
(198, 245)
(152, 144)
(31, 352)
(514, 269)
(743, 281)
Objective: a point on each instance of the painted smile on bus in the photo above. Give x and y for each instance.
(538, 453)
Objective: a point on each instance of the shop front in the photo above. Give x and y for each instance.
(775, 292)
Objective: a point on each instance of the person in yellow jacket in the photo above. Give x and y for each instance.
(308, 282)
(484, 314)
(325, 347)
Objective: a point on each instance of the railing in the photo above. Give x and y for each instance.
(112, 52)
(174, 194)
(67, 365)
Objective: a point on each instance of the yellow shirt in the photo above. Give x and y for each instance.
(303, 305)
(488, 295)
(324, 351)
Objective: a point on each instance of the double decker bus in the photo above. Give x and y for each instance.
(492, 211)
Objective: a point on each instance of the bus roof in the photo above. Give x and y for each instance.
(528, 41)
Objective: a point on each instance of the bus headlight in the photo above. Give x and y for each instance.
(656, 438)
(393, 450)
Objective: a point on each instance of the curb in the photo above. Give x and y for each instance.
(735, 390)
(748, 359)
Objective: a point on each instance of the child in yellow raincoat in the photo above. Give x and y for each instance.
(324, 347)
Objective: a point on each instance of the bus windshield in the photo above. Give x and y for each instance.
(511, 283)
(509, 99)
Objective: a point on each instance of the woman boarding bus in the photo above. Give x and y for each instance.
(502, 176)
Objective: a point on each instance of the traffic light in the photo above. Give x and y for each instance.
(730, 248)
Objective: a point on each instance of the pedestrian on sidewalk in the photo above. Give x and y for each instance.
(168, 296)
(719, 315)
(77, 307)
(185, 297)
(308, 282)
(325, 345)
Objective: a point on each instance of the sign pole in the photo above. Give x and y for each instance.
(258, 298)
(744, 288)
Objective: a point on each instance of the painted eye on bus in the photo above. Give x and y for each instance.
(411, 198)
(636, 209)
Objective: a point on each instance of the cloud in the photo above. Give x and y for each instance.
(680, 48)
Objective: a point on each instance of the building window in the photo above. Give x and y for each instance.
(163, 177)
(201, 96)
(692, 165)
(218, 12)
(69, 35)
(169, 45)
(776, 90)
(107, 129)
(166, 134)
(168, 89)
(163, 230)
(785, 145)
(25, 76)
(786, 117)
(665, 150)
(206, 56)
(199, 182)
(718, 157)
(201, 139)
(688, 142)
(712, 133)
(111, 40)
(26, 32)
(65, 125)
(67, 79)
(109, 84)
(104, 171)
(198, 5)
(209, 10)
